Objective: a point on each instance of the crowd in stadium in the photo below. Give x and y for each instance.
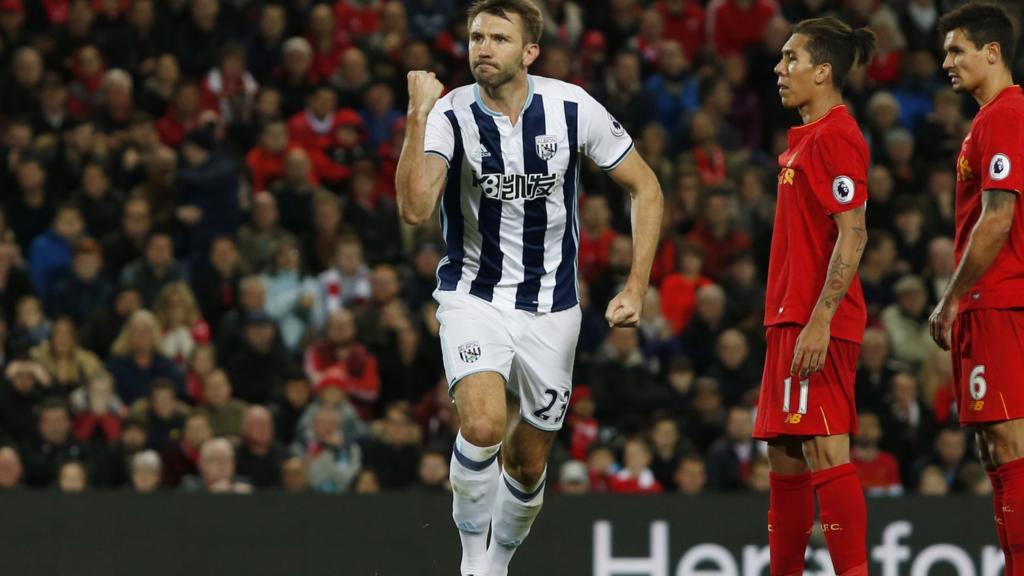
(205, 284)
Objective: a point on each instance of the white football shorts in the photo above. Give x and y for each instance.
(534, 352)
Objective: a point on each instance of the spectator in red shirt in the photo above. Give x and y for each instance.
(182, 115)
(87, 70)
(314, 127)
(735, 25)
(181, 458)
(230, 89)
(884, 69)
(339, 360)
(647, 42)
(97, 410)
(328, 42)
(582, 425)
(636, 476)
(266, 161)
(878, 470)
(679, 290)
(601, 465)
(596, 237)
(360, 18)
(683, 21)
(718, 234)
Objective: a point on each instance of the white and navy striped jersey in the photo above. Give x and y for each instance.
(509, 210)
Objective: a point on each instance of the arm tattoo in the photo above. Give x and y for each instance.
(862, 238)
(836, 273)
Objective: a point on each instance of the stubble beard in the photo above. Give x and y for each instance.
(499, 77)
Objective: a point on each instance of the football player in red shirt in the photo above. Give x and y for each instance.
(980, 317)
(815, 313)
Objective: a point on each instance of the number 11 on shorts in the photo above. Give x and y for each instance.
(802, 408)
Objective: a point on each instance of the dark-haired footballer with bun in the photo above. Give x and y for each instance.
(980, 317)
(814, 310)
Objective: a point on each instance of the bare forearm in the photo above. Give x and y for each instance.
(414, 202)
(842, 269)
(646, 221)
(983, 246)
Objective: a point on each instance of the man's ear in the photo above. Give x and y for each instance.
(530, 54)
(823, 73)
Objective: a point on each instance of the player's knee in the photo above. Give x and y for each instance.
(1004, 446)
(483, 431)
(826, 452)
(529, 474)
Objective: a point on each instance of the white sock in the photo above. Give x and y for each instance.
(515, 509)
(474, 476)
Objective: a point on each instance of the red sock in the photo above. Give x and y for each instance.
(790, 518)
(1012, 476)
(844, 518)
(997, 507)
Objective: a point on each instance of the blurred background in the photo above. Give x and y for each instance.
(206, 287)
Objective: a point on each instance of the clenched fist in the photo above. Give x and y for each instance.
(424, 90)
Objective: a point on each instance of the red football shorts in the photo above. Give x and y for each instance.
(821, 405)
(988, 364)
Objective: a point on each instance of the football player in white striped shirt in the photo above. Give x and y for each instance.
(502, 158)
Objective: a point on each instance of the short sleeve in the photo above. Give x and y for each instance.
(439, 138)
(1002, 156)
(605, 141)
(841, 170)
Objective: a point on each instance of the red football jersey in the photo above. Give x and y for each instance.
(824, 172)
(992, 158)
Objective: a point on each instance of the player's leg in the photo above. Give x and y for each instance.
(477, 352)
(781, 412)
(1004, 443)
(791, 506)
(541, 374)
(520, 491)
(474, 470)
(843, 513)
(992, 469)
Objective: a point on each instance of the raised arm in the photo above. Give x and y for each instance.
(986, 240)
(420, 177)
(636, 176)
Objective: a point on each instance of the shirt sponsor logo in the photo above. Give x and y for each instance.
(999, 167)
(511, 187)
(842, 189)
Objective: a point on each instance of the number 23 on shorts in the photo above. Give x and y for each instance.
(977, 385)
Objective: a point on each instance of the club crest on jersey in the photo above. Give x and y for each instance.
(546, 147)
(470, 352)
(999, 167)
(842, 189)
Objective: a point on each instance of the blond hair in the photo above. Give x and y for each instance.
(144, 318)
(165, 300)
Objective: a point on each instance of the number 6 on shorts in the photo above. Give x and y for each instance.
(802, 409)
(978, 385)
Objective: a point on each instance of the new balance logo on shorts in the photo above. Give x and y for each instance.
(469, 352)
(793, 418)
